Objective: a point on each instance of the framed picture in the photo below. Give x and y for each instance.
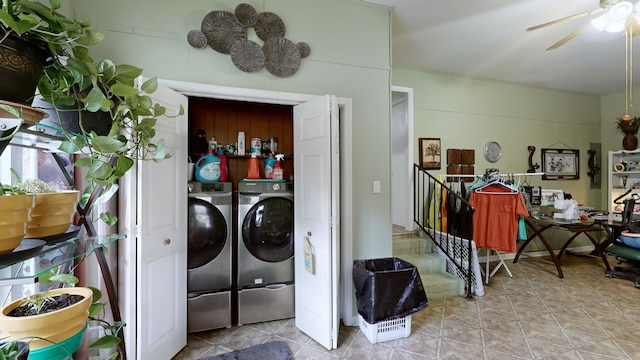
(430, 153)
(560, 164)
(549, 196)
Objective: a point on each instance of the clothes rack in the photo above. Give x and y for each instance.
(500, 174)
(496, 177)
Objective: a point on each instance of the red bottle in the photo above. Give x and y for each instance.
(224, 167)
(278, 169)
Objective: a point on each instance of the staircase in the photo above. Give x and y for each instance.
(436, 281)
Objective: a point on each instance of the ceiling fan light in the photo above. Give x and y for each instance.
(621, 10)
(601, 22)
(615, 26)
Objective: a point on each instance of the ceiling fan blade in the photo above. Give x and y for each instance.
(565, 39)
(565, 19)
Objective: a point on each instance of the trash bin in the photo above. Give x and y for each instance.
(387, 288)
(388, 291)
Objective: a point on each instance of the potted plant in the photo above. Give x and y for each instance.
(53, 210)
(105, 87)
(37, 35)
(68, 309)
(48, 317)
(629, 126)
(75, 83)
(15, 213)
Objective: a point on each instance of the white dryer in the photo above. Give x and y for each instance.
(265, 251)
(209, 256)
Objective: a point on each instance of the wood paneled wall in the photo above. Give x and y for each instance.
(223, 119)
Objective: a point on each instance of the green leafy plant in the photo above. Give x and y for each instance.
(111, 330)
(75, 79)
(110, 338)
(134, 115)
(56, 32)
(11, 350)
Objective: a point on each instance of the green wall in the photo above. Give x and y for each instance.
(350, 57)
(465, 113)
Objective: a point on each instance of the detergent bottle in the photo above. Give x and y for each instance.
(224, 167)
(278, 169)
(268, 166)
(253, 171)
(208, 168)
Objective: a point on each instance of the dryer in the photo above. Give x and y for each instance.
(209, 256)
(265, 251)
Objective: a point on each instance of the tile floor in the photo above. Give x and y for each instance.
(534, 315)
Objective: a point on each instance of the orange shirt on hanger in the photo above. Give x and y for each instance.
(495, 220)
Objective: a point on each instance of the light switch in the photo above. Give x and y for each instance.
(376, 187)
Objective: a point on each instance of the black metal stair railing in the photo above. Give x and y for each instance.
(453, 236)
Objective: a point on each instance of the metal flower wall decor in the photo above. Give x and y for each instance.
(226, 32)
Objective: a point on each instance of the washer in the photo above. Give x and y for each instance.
(265, 251)
(209, 256)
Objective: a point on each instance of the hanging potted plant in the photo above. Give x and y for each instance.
(106, 88)
(629, 126)
(35, 35)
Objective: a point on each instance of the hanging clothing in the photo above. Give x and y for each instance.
(495, 221)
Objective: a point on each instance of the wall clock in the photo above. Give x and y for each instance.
(492, 151)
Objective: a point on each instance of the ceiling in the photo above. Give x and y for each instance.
(488, 40)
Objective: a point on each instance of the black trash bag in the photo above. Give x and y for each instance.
(387, 288)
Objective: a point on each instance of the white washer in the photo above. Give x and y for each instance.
(210, 256)
(265, 251)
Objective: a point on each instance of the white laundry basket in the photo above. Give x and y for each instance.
(386, 330)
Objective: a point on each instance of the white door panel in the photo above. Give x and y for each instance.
(315, 212)
(162, 244)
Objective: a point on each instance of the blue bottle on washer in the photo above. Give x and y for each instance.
(208, 168)
(268, 166)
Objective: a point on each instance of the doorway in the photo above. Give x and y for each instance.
(402, 158)
(347, 298)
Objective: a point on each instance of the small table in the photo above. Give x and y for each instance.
(538, 226)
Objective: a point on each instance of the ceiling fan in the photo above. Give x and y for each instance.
(619, 15)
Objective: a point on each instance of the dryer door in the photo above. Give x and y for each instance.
(207, 232)
(267, 229)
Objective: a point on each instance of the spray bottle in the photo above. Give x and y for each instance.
(278, 169)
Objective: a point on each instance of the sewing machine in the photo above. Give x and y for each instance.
(569, 210)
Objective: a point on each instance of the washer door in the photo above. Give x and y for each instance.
(267, 229)
(207, 232)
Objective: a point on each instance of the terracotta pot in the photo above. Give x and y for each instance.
(52, 213)
(630, 142)
(15, 213)
(54, 326)
(20, 75)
